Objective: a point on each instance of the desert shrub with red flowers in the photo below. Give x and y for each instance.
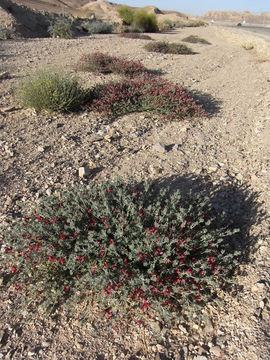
(123, 244)
(100, 62)
(144, 93)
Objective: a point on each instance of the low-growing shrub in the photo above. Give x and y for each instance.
(195, 23)
(126, 13)
(122, 245)
(144, 93)
(194, 39)
(61, 28)
(99, 62)
(6, 33)
(248, 46)
(165, 47)
(52, 90)
(144, 21)
(135, 36)
(97, 27)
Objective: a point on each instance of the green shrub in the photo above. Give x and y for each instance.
(124, 245)
(195, 23)
(126, 13)
(144, 93)
(144, 21)
(6, 33)
(61, 28)
(51, 90)
(99, 62)
(135, 36)
(170, 23)
(97, 27)
(196, 39)
(168, 48)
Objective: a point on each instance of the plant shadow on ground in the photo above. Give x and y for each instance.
(240, 204)
(211, 105)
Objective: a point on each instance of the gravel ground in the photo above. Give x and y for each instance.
(228, 151)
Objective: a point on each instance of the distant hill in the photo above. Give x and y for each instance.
(31, 18)
(263, 18)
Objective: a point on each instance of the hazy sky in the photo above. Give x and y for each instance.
(199, 7)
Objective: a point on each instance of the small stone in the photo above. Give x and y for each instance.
(4, 75)
(239, 177)
(200, 357)
(45, 344)
(261, 305)
(8, 202)
(182, 328)
(216, 350)
(258, 287)
(40, 149)
(175, 147)
(208, 329)
(83, 171)
(159, 147)
(49, 192)
(212, 168)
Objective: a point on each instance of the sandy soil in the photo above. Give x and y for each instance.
(228, 151)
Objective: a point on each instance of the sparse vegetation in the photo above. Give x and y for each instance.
(52, 90)
(168, 48)
(97, 27)
(61, 28)
(103, 63)
(194, 39)
(248, 46)
(126, 13)
(144, 21)
(195, 23)
(135, 36)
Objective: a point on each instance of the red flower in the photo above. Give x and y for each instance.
(62, 261)
(111, 241)
(8, 250)
(66, 288)
(13, 269)
(16, 287)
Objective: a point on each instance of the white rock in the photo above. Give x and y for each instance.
(160, 147)
(83, 171)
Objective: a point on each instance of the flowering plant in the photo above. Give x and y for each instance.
(143, 93)
(100, 62)
(123, 244)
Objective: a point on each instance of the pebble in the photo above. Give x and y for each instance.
(84, 171)
(40, 149)
(8, 202)
(159, 147)
(175, 147)
(208, 329)
(4, 75)
(45, 344)
(200, 357)
(216, 350)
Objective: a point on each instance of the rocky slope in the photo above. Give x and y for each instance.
(227, 151)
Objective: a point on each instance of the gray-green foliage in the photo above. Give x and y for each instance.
(61, 28)
(51, 90)
(97, 27)
(121, 242)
